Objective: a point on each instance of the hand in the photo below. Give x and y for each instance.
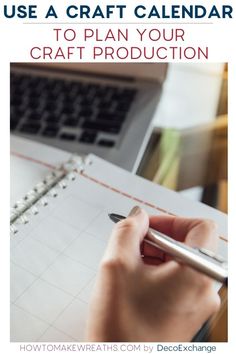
(151, 298)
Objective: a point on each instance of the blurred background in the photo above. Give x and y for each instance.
(187, 151)
(188, 148)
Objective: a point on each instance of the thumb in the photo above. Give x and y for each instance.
(126, 237)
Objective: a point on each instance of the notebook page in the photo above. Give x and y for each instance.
(160, 197)
(54, 258)
(27, 172)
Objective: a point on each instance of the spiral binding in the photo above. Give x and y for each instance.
(50, 187)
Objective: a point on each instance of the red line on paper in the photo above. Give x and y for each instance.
(45, 164)
(118, 191)
(104, 185)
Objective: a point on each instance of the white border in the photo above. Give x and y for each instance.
(222, 41)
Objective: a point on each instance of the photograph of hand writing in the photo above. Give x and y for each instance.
(151, 298)
(140, 145)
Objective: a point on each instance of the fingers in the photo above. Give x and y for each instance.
(152, 260)
(203, 234)
(127, 235)
(124, 243)
(166, 225)
(194, 232)
(148, 250)
(173, 226)
(162, 223)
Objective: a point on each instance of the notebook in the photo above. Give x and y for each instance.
(60, 228)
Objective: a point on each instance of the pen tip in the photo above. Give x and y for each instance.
(115, 217)
(111, 216)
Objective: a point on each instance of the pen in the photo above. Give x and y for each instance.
(201, 259)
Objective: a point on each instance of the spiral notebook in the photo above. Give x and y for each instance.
(59, 231)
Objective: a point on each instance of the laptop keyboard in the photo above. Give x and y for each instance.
(68, 110)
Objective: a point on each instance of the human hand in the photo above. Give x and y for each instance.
(151, 298)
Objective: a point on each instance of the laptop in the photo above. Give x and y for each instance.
(104, 109)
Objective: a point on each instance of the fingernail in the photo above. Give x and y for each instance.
(135, 211)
